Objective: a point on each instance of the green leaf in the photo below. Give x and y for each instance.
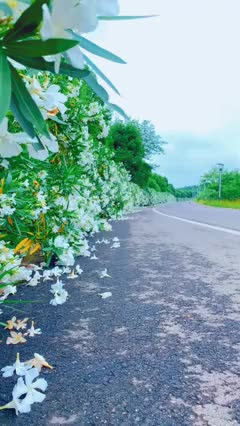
(124, 18)
(57, 120)
(28, 22)
(36, 48)
(118, 110)
(101, 74)
(26, 104)
(95, 49)
(41, 64)
(5, 85)
(96, 87)
(24, 123)
(6, 9)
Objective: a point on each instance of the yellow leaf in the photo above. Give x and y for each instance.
(36, 248)
(20, 245)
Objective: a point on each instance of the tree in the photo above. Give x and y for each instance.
(230, 185)
(126, 141)
(152, 141)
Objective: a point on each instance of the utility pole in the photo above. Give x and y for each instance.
(220, 169)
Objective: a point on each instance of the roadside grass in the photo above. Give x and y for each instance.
(227, 204)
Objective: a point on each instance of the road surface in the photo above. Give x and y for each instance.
(164, 350)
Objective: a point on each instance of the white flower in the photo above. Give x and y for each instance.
(81, 17)
(57, 272)
(50, 100)
(60, 294)
(47, 275)
(61, 242)
(38, 362)
(49, 144)
(20, 368)
(32, 331)
(116, 245)
(33, 282)
(9, 142)
(105, 295)
(9, 289)
(115, 239)
(16, 404)
(72, 275)
(67, 257)
(26, 183)
(79, 270)
(5, 164)
(29, 387)
(94, 257)
(104, 274)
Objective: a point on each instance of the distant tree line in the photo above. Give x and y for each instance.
(187, 192)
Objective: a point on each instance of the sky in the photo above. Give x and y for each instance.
(183, 74)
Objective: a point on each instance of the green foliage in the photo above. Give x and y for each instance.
(159, 183)
(186, 192)
(126, 141)
(210, 185)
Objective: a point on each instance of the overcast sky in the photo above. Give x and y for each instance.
(183, 74)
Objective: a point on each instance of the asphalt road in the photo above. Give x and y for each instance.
(164, 350)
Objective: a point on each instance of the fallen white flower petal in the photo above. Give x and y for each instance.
(94, 257)
(15, 338)
(20, 368)
(105, 295)
(60, 294)
(104, 274)
(115, 245)
(79, 270)
(115, 239)
(32, 331)
(29, 387)
(38, 362)
(72, 275)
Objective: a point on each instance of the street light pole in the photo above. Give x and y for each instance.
(220, 168)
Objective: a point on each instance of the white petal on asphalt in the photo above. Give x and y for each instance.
(105, 295)
(104, 274)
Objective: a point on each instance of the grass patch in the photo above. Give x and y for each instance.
(227, 204)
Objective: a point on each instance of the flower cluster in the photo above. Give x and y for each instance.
(29, 388)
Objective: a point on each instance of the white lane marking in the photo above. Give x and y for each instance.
(205, 225)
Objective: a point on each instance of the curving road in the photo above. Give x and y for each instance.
(164, 350)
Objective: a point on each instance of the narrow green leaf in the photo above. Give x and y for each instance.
(57, 120)
(118, 109)
(96, 87)
(100, 74)
(124, 18)
(28, 22)
(95, 49)
(5, 85)
(36, 48)
(41, 64)
(26, 104)
(24, 123)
